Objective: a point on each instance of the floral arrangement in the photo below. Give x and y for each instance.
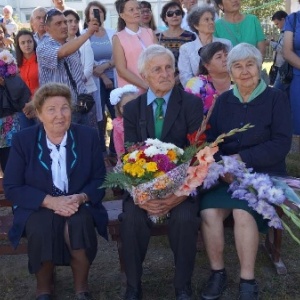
(262, 192)
(152, 161)
(116, 94)
(8, 66)
(155, 169)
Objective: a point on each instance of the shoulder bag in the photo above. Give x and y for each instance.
(84, 102)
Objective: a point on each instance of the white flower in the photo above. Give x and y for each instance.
(116, 94)
(6, 56)
(133, 155)
(152, 150)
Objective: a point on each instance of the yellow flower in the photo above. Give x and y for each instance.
(141, 162)
(125, 157)
(151, 167)
(127, 167)
(137, 171)
(172, 155)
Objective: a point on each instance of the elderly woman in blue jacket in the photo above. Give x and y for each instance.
(53, 177)
(263, 148)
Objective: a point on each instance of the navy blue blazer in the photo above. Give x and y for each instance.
(183, 116)
(28, 176)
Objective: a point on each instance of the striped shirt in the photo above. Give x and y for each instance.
(52, 69)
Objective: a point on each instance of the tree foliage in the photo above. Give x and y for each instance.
(262, 9)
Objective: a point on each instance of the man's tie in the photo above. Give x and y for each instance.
(159, 117)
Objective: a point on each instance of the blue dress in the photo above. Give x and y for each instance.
(295, 84)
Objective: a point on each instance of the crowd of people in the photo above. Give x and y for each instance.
(54, 155)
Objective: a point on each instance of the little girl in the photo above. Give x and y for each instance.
(119, 97)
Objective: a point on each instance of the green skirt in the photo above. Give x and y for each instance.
(219, 197)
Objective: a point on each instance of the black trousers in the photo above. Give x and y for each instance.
(183, 227)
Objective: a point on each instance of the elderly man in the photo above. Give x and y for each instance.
(37, 23)
(182, 114)
(58, 60)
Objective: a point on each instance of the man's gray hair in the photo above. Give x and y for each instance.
(196, 13)
(151, 52)
(243, 51)
(40, 9)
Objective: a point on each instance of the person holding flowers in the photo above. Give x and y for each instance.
(119, 97)
(13, 95)
(262, 147)
(169, 114)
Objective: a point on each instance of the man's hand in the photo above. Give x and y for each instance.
(93, 26)
(160, 207)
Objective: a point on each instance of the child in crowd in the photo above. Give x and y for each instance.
(119, 97)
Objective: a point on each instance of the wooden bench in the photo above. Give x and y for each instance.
(272, 243)
(114, 208)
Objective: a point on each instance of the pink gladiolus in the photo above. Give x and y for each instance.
(206, 155)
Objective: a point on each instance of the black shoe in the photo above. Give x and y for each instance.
(215, 286)
(184, 294)
(133, 294)
(248, 291)
(83, 296)
(44, 297)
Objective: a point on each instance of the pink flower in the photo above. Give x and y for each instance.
(206, 155)
(195, 177)
(11, 69)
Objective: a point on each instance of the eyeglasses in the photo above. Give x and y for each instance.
(146, 11)
(171, 13)
(51, 13)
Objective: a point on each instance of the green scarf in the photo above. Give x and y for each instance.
(258, 90)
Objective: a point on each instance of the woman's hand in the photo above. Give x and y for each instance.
(2, 82)
(64, 206)
(160, 207)
(99, 70)
(107, 82)
(29, 110)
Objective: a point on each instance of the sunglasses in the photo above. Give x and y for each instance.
(171, 13)
(51, 13)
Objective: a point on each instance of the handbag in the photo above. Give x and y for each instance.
(273, 74)
(286, 73)
(84, 102)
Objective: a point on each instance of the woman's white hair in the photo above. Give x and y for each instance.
(151, 52)
(243, 51)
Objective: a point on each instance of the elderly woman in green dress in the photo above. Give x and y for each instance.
(263, 148)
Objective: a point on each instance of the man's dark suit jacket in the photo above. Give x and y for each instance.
(28, 176)
(184, 115)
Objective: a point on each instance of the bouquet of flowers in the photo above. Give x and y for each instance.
(150, 170)
(154, 169)
(262, 192)
(8, 65)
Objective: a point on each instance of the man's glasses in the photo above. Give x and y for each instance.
(171, 13)
(51, 13)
